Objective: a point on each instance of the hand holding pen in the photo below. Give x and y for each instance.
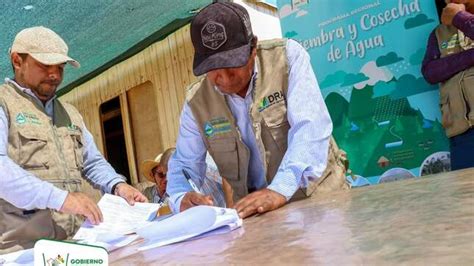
(195, 197)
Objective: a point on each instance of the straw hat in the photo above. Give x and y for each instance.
(148, 165)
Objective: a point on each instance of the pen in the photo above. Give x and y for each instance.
(191, 182)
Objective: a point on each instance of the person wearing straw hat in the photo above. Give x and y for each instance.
(46, 150)
(155, 172)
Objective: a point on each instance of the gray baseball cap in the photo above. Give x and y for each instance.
(222, 37)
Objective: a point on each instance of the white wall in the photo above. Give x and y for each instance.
(264, 24)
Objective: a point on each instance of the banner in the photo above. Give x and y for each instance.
(367, 58)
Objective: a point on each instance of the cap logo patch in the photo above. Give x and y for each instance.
(213, 35)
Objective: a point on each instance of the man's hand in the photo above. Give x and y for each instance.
(79, 203)
(129, 193)
(450, 11)
(192, 199)
(260, 201)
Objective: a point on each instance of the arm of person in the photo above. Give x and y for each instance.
(436, 69)
(190, 154)
(311, 126)
(464, 21)
(101, 173)
(26, 191)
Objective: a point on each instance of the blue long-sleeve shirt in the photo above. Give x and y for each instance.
(308, 137)
(27, 191)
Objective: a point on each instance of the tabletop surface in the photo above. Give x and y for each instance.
(418, 221)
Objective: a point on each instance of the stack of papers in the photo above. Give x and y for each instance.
(124, 224)
(120, 223)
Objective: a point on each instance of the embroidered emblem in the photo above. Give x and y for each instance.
(215, 126)
(213, 35)
(72, 127)
(20, 119)
(23, 118)
(208, 130)
(451, 43)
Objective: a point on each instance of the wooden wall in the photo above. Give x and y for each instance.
(166, 68)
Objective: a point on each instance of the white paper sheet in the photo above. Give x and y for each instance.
(22, 257)
(120, 223)
(120, 217)
(195, 222)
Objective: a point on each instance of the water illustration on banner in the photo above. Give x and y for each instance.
(367, 58)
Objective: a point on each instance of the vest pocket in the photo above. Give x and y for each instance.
(71, 185)
(224, 153)
(78, 149)
(277, 125)
(446, 118)
(33, 150)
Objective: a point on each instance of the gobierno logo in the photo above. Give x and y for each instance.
(56, 253)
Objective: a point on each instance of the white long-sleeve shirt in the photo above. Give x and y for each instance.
(308, 137)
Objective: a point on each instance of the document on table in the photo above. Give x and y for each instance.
(195, 222)
(21, 257)
(120, 220)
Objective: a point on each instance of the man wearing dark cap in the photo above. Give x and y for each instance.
(258, 110)
(46, 150)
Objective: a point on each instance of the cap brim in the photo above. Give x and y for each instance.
(227, 59)
(147, 166)
(54, 59)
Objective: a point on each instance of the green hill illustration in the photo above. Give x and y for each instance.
(384, 132)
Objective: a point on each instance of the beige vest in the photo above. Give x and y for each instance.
(49, 149)
(268, 114)
(457, 93)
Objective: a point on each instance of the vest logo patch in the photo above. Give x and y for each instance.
(216, 126)
(270, 100)
(208, 129)
(72, 127)
(451, 43)
(22, 118)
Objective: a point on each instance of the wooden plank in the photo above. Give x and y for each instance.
(166, 64)
(159, 84)
(165, 87)
(181, 74)
(143, 118)
(172, 92)
(129, 145)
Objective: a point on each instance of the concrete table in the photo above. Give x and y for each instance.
(419, 221)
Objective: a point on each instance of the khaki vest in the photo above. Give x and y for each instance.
(457, 93)
(52, 151)
(268, 114)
